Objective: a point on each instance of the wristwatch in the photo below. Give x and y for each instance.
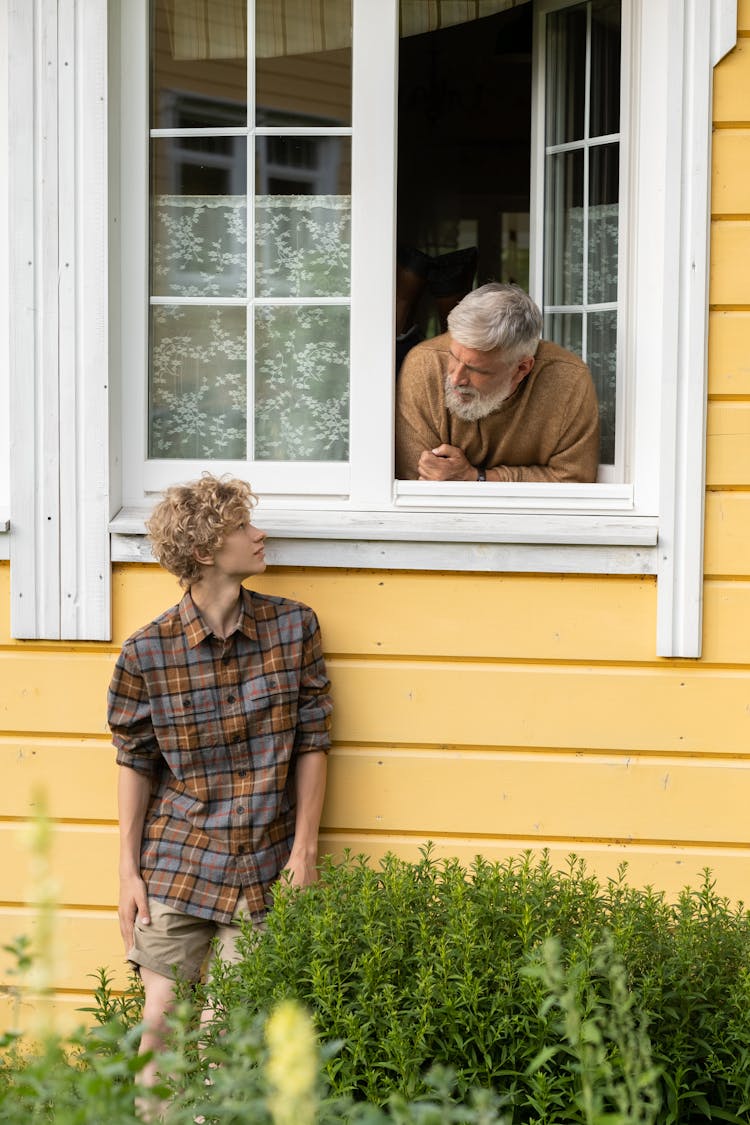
(481, 474)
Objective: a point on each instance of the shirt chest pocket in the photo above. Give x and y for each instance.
(186, 722)
(269, 703)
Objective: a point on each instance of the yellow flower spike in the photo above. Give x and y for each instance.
(292, 1068)
(43, 894)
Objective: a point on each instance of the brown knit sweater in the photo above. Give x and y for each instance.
(548, 430)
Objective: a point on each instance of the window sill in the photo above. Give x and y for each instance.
(546, 498)
(518, 542)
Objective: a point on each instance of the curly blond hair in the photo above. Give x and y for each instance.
(197, 516)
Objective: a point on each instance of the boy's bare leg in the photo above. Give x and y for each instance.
(158, 1002)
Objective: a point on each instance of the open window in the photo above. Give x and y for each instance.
(500, 136)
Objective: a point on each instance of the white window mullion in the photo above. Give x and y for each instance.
(625, 394)
(4, 292)
(373, 252)
(586, 195)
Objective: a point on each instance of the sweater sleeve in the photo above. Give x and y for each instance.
(576, 455)
(417, 417)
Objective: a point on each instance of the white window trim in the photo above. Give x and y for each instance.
(4, 296)
(59, 397)
(59, 459)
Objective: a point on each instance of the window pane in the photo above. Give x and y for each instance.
(302, 233)
(198, 63)
(301, 383)
(605, 68)
(602, 360)
(604, 174)
(199, 217)
(197, 387)
(563, 224)
(566, 75)
(303, 64)
(565, 329)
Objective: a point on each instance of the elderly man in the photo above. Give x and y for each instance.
(490, 401)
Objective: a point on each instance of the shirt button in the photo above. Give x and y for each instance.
(225, 659)
(187, 701)
(241, 773)
(240, 808)
(241, 849)
(231, 698)
(236, 738)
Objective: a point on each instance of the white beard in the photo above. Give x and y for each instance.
(474, 407)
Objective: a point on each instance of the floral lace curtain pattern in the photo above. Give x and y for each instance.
(199, 367)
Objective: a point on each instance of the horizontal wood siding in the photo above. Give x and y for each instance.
(488, 713)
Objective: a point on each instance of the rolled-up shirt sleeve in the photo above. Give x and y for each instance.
(129, 717)
(315, 703)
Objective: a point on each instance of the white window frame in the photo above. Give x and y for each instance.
(4, 298)
(366, 482)
(67, 474)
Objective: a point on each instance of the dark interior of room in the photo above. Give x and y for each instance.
(464, 151)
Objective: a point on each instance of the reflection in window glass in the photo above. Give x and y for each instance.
(565, 329)
(199, 217)
(566, 75)
(303, 216)
(563, 257)
(601, 354)
(605, 68)
(603, 218)
(303, 62)
(198, 63)
(582, 193)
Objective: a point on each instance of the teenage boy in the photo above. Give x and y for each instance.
(220, 714)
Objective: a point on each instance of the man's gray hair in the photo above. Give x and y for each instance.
(497, 316)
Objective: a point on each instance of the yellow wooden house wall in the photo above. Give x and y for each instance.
(488, 713)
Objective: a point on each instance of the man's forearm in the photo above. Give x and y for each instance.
(535, 474)
(133, 793)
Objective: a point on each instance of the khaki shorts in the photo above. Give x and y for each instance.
(178, 944)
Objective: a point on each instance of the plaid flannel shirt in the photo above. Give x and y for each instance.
(217, 724)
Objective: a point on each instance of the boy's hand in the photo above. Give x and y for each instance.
(133, 900)
(301, 869)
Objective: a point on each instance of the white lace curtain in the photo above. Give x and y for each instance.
(198, 388)
(217, 29)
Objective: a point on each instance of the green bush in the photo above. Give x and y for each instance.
(416, 965)
(509, 994)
